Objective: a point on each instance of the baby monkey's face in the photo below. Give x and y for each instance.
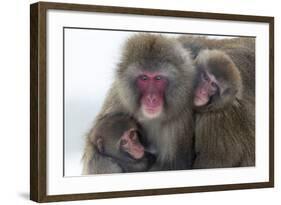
(130, 143)
(119, 137)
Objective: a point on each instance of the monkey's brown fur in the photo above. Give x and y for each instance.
(240, 50)
(224, 129)
(169, 136)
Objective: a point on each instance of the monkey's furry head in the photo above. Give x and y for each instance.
(149, 51)
(226, 73)
(156, 53)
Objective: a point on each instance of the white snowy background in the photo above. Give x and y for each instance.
(91, 57)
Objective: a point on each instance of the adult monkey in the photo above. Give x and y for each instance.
(154, 85)
(224, 119)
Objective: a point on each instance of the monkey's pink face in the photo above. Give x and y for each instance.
(130, 143)
(152, 87)
(206, 88)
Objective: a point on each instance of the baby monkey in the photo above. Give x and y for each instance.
(119, 139)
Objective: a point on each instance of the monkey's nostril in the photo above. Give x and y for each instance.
(203, 92)
(151, 99)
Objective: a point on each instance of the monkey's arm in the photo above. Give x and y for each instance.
(177, 164)
(221, 148)
(95, 163)
(205, 161)
(217, 149)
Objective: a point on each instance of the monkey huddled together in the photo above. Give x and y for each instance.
(176, 104)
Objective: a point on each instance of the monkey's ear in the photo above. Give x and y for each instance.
(99, 144)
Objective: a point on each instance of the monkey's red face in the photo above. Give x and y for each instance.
(206, 88)
(152, 87)
(130, 143)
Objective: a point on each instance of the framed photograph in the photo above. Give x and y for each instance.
(135, 102)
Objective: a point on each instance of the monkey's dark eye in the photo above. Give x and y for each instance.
(204, 76)
(158, 77)
(213, 84)
(143, 77)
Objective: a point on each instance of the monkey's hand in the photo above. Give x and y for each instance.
(104, 165)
